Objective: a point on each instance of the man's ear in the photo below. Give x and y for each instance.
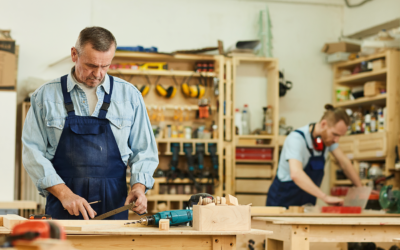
(323, 124)
(74, 54)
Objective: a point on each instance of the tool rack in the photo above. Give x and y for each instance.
(378, 146)
(180, 66)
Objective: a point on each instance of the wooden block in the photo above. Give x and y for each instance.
(217, 200)
(200, 201)
(373, 88)
(221, 218)
(162, 207)
(247, 141)
(231, 200)
(1, 220)
(18, 205)
(163, 225)
(267, 210)
(253, 171)
(253, 186)
(378, 64)
(223, 201)
(85, 228)
(210, 204)
(207, 201)
(257, 200)
(295, 210)
(10, 220)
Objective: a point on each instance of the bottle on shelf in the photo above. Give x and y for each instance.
(238, 122)
(367, 122)
(374, 127)
(245, 120)
(358, 121)
(381, 120)
(268, 120)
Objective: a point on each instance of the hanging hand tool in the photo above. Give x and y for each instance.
(200, 159)
(188, 149)
(175, 217)
(117, 211)
(212, 149)
(173, 171)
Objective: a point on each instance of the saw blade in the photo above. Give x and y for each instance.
(115, 211)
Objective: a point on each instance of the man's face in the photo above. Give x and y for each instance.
(91, 65)
(331, 134)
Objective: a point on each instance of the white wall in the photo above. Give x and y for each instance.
(46, 30)
(370, 14)
(7, 144)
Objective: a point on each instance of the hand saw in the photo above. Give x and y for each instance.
(117, 211)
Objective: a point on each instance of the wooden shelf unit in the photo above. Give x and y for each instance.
(181, 67)
(251, 179)
(373, 147)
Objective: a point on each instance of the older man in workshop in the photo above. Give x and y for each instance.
(302, 161)
(82, 131)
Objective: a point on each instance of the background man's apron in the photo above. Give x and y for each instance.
(285, 194)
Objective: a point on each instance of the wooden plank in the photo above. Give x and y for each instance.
(253, 171)
(267, 210)
(331, 221)
(253, 186)
(1, 220)
(159, 72)
(364, 214)
(351, 233)
(18, 205)
(228, 101)
(363, 77)
(10, 220)
(300, 237)
(86, 228)
(228, 168)
(223, 242)
(256, 200)
(364, 101)
(143, 242)
(221, 218)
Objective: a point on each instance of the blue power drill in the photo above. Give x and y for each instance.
(175, 217)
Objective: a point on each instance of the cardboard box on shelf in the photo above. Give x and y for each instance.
(373, 88)
(8, 64)
(378, 64)
(331, 48)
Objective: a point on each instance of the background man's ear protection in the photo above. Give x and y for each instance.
(194, 91)
(165, 92)
(317, 142)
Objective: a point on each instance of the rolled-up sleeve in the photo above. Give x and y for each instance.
(144, 159)
(34, 140)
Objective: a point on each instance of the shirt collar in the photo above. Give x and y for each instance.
(71, 82)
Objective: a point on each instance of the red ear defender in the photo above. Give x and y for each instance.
(318, 144)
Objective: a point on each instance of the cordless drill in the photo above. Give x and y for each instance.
(175, 217)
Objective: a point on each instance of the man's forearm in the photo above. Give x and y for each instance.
(304, 182)
(351, 173)
(60, 191)
(139, 186)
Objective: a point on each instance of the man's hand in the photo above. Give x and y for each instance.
(72, 202)
(137, 195)
(330, 200)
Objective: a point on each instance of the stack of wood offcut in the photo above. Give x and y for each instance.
(229, 200)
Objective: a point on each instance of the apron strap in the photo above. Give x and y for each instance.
(69, 106)
(107, 100)
(305, 140)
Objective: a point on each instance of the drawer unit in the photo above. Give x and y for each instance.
(371, 145)
(253, 186)
(253, 171)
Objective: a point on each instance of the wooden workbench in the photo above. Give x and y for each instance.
(141, 237)
(296, 233)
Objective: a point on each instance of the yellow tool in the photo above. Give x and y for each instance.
(153, 66)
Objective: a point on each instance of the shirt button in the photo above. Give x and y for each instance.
(120, 125)
(60, 126)
(83, 101)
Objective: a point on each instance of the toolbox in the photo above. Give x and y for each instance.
(243, 153)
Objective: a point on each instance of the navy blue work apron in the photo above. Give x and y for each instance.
(89, 161)
(285, 194)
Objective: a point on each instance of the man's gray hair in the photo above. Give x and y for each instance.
(100, 39)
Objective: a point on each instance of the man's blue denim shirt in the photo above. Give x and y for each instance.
(128, 120)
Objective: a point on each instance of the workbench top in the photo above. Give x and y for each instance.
(180, 230)
(367, 214)
(330, 221)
